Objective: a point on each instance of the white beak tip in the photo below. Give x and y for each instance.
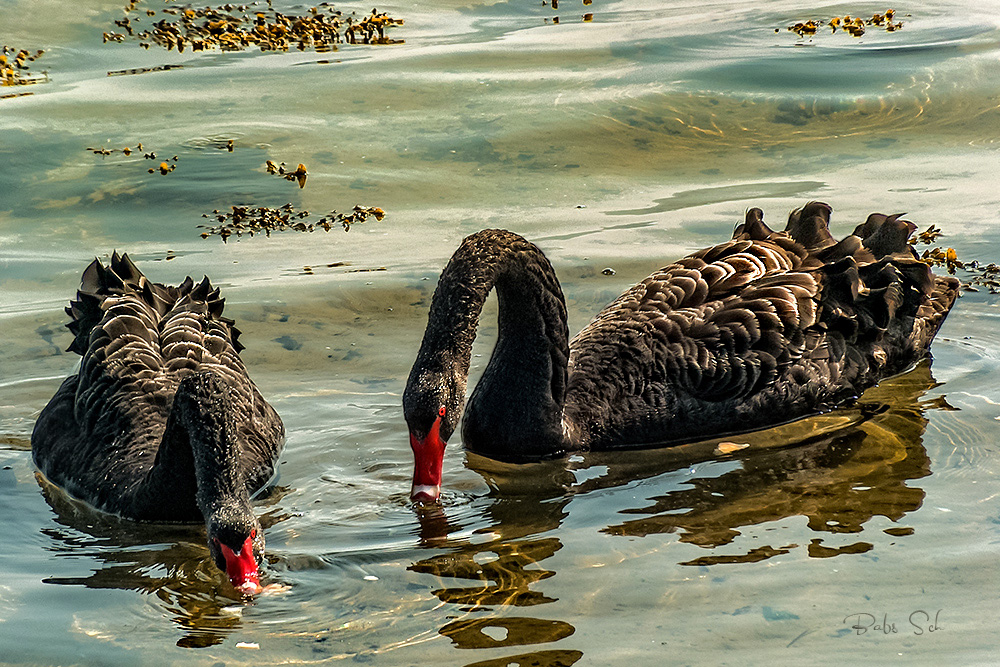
(425, 493)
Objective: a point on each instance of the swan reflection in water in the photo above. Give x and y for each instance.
(837, 470)
(169, 561)
(838, 482)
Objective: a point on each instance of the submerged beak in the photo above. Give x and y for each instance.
(242, 568)
(428, 456)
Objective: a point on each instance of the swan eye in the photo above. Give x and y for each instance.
(253, 534)
(442, 411)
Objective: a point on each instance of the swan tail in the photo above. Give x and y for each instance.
(810, 226)
(876, 290)
(753, 227)
(121, 278)
(864, 306)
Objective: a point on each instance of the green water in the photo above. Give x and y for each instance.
(622, 142)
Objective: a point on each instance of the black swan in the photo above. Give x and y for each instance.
(760, 330)
(162, 422)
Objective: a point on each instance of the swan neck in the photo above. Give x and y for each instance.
(532, 351)
(201, 417)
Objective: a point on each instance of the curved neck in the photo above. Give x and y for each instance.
(198, 459)
(516, 410)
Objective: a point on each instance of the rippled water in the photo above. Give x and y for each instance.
(623, 142)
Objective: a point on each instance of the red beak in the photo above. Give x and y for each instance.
(428, 456)
(242, 568)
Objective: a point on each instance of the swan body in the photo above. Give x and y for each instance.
(161, 422)
(762, 329)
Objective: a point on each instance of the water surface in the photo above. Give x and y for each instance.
(623, 142)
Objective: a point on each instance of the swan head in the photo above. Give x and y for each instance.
(238, 549)
(432, 409)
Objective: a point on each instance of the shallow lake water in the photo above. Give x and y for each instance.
(622, 137)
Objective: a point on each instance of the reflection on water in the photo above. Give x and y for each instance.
(838, 471)
(838, 482)
(504, 632)
(536, 659)
(506, 567)
(507, 570)
(169, 561)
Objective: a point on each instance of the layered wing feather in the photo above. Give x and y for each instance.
(792, 321)
(100, 434)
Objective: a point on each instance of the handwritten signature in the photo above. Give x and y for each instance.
(920, 623)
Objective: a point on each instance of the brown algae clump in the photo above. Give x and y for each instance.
(371, 29)
(237, 27)
(852, 25)
(252, 220)
(164, 168)
(15, 67)
(299, 174)
(978, 275)
(586, 18)
(126, 151)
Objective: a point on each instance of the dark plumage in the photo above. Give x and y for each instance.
(162, 422)
(762, 329)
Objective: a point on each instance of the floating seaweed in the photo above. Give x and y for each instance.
(946, 257)
(252, 220)
(852, 25)
(164, 167)
(586, 18)
(371, 29)
(987, 277)
(299, 174)
(126, 151)
(15, 68)
(108, 151)
(232, 27)
(928, 236)
(978, 275)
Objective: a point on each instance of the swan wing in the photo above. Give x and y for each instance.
(790, 320)
(100, 434)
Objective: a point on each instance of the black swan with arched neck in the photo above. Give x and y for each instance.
(762, 329)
